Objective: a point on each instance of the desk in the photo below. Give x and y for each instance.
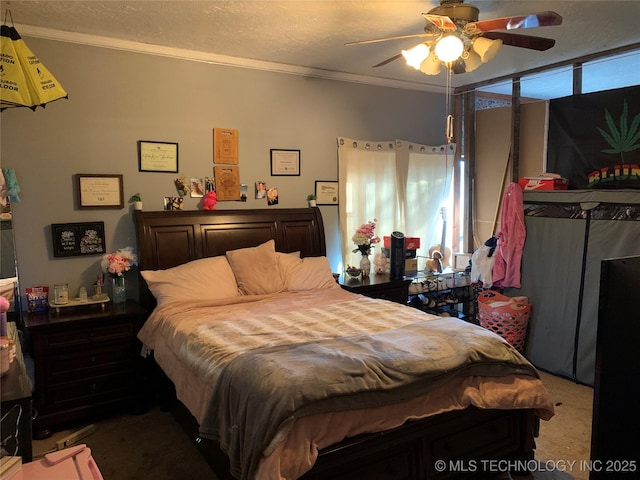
(15, 393)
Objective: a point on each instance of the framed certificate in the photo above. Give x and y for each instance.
(157, 156)
(326, 192)
(285, 162)
(100, 191)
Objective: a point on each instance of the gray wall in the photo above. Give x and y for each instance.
(118, 97)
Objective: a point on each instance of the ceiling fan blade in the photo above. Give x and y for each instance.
(523, 41)
(532, 20)
(444, 23)
(388, 60)
(400, 37)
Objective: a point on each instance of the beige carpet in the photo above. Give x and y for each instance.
(565, 440)
(152, 446)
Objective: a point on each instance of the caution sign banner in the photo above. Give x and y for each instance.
(24, 80)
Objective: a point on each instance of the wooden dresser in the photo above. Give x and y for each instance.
(85, 361)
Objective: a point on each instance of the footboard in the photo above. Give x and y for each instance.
(451, 445)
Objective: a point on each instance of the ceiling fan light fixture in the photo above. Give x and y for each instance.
(486, 48)
(431, 65)
(416, 55)
(471, 61)
(449, 48)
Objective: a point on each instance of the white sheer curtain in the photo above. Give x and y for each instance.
(367, 183)
(400, 183)
(427, 184)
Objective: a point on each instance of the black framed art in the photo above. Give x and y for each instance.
(75, 239)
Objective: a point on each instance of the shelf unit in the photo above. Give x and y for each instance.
(449, 293)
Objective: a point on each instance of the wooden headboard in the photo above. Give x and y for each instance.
(169, 238)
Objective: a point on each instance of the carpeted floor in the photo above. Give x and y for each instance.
(153, 446)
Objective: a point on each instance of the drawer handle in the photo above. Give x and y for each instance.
(93, 388)
(92, 360)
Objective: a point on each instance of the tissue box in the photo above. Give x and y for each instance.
(543, 183)
(410, 243)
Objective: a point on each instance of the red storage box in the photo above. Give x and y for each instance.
(543, 183)
(410, 243)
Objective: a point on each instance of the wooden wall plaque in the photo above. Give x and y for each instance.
(225, 146)
(227, 180)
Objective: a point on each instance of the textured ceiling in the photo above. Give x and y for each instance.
(309, 36)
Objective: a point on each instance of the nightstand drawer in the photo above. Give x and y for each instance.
(89, 362)
(84, 336)
(88, 391)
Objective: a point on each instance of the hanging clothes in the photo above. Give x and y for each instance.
(508, 254)
(482, 266)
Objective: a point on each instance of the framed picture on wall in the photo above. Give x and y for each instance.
(100, 191)
(75, 239)
(285, 162)
(326, 192)
(157, 156)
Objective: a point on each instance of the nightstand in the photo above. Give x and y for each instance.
(85, 361)
(378, 286)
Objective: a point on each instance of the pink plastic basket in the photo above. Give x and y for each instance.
(505, 316)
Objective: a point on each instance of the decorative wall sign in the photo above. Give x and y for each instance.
(227, 182)
(157, 156)
(100, 191)
(326, 192)
(285, 162)
(74, 239)
(225, 145)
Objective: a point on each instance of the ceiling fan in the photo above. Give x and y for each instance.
(456, 38)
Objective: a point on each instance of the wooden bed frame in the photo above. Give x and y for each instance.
(169, 238)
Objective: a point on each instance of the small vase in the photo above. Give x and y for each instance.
(118, 290)
(365, 265)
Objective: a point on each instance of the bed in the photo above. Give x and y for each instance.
(280, 373)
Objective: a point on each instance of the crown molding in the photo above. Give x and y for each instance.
(216, 59)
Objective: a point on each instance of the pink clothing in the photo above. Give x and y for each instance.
(506, 268)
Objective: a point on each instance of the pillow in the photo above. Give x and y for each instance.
(307, 273)
(283, 261)
(204, 279)
(256, 269)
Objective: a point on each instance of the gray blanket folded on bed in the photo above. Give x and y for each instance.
(263, 390)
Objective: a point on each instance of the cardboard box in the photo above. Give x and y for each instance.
(410, 265)
(543, 183)
(410, 243)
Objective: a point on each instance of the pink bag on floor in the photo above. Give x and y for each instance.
(74, 463)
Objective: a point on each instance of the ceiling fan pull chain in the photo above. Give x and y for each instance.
(449, 128)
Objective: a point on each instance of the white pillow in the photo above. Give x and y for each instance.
(306, 273)
(256, 269)
(204, 279)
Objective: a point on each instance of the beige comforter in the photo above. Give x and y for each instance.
(206, 341)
